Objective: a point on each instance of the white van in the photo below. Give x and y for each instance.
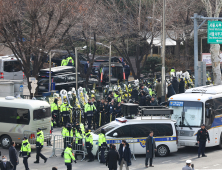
(19, 115)
(137, 130)
(10, 68)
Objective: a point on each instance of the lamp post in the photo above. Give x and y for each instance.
(110, 54)
(76, 61)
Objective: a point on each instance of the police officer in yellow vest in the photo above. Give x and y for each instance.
(89, 144)
(68, 59)
(172, 71)
(55, 112)
(67, 134)
(117, 97)
(49, 140)
(78, 140)
(39, 146)
(25, 152)
(64, 61)
(102, 145)
(89, 108)
(65, 109)
(69, 157)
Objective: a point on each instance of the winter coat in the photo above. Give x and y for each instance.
(181, 86)
(151, 147)
(13, 155)
(154, 103)
(175, 85)
(171, 91)
(142, 101)
(112, 158)
(134, 94)
(69, 64)
(158, 89)
(127, 70)
(86, 67)
(126, 154)
(9, 165)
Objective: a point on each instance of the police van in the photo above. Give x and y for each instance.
(136, 129)
(20, 115)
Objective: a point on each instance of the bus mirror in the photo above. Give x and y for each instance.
(208, 113)
(207, 105)
(115, 134)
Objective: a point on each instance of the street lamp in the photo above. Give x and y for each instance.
(76, 61)
(110, 50)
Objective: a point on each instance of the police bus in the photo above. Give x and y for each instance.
(135, 130)
(19, 115)
(200, 105)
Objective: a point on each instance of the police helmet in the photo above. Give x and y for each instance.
(69, 145)
(103, 131)
(25, 137)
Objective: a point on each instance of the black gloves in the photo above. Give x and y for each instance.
(75, 161)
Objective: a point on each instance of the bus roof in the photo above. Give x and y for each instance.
(22, 103)
(198, 97)
(210, 89)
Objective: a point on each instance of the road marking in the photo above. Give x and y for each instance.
(205, 167)
(166, 161)
(216, 164)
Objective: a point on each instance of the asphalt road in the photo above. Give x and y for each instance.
(174, 161)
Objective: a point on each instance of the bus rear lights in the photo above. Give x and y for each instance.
(2, 75)
(32, 136)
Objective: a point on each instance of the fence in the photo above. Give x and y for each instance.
(57, 142)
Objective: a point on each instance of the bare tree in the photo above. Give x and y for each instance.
(213, 9)
(33, 28)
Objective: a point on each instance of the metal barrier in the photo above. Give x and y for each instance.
(57, 142)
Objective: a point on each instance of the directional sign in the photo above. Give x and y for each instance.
(214, 33)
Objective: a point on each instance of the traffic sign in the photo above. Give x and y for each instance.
(214, 32)
(21, 88)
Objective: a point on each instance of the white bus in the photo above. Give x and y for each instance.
(19, 115)
(200, 105)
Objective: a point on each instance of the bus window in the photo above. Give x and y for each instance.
(14, 115)
(209, 120)
(41, 113)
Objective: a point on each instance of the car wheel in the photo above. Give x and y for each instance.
(6, 141)
(162, 150)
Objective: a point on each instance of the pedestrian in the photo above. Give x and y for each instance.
(65, 109)
(69, 157)
(150, 149)
(202, 136)
(175, 85)
(55, 112)
(25, 152)
(70, 63)
(188, 166)
(31, 67)
(153, 102)
(102, 145)
(5, 164)
(39, 146)
(67, 134)
(127, 71)
(54, 168)
(158, 89)
(49, 140)
(170, 90)
(143, 99)
(78, 140)
(13, 155)
(124, 155)
(89, 144)
(64, 61)
(88, 109)
(86, 66)
(112, 158)
(181, 86)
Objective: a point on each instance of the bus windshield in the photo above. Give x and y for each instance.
(187, 113)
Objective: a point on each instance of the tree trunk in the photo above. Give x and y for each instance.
(215, 58)
(177, 50)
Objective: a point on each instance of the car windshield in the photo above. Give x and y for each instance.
(187, 113)
(106, 127)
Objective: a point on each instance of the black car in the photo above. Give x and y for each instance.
(102, 59)
(64, 77)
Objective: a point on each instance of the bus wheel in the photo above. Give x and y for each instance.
(6, 141)
(162, 150)
(220, 144)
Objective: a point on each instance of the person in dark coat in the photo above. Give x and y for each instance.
(124, 155)
(5, 165)
(150, 149)
(13, 155)
(112, 158)
(181, 86)
(175, 85)
(70, 63)
(153, 102)
(86, 66)
(134, 94)
(171, 91)
(143, 99)
(127, 71)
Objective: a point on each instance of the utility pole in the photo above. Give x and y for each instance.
(163, 53)
(195, 50)
(50, 75)
(110, 46)
(139, 14)
(76, 57)
(152, 28)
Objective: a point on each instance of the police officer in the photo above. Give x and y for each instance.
(88, 109)
(65, 112)
(55, 112)
(64, 61)
(68, 60)
(202, 136)
(102, 145)
(69, 157)
(78, 140)
(25, 152)
(89, 144)
(67, 134)
(39, 146)
(49, 141)
(117, 97)
(102, 112)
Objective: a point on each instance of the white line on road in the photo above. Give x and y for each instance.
(205, 167)
(216, 164)
(166, 161)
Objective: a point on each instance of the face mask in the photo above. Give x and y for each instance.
(4, 160)
(89, 103)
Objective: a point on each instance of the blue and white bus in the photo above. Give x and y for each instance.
(200, 105)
